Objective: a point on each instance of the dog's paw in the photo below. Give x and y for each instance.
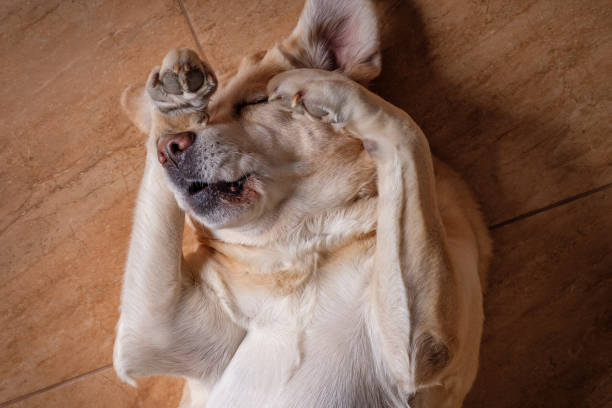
(183, 83)
(320, 95)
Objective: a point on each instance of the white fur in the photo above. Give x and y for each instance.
(353, 282)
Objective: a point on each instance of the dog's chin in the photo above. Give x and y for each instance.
(220, 204)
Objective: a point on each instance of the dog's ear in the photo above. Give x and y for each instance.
(137, 107)
(337, 35)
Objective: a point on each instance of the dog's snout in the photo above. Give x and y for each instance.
(172, 147)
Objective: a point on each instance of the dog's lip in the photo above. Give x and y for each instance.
(235, 187)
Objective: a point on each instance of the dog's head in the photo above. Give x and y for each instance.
(253, 166)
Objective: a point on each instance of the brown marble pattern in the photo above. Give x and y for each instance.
(255, 26)
(515, 95)
(104, 390)
(70, 166)
(548, 333)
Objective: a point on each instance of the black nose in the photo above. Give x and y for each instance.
(172, 147)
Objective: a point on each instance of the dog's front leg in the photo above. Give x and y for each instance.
(414, 294)
(169, 323)
(152, 281)
(413, 267)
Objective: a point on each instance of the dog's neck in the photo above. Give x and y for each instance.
(300, 246)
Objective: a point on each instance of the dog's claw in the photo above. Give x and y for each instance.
(296, 99)
(155, 80)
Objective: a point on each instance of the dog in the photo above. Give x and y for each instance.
(339, 263)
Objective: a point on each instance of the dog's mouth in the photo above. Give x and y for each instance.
(229, 191)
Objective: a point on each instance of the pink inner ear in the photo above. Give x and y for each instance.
(339, 34)
(340, 43)
(354, 44)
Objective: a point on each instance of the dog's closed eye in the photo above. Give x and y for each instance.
(249, 102)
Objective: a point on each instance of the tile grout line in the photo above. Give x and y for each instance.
(193, 32)
(549, 207)
(55, 386)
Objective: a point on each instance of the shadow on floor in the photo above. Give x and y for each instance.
(547, 336)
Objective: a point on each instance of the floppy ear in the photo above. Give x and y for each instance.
(337, 35)
(137, 107)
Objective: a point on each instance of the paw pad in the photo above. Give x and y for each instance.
(183, 83)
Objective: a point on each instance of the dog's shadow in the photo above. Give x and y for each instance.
(467, 135)
(458, 129)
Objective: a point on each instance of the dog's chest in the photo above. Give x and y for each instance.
(304, 341)
(331, 282)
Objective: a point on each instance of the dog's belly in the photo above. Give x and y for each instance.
(342, 375)
(327, 364)
(331, 363)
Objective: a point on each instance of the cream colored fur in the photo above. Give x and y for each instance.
(354, 276)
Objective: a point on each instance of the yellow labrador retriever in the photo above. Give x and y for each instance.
(339, 265)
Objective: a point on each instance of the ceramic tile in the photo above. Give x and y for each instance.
(515, 95)
(229, 31)
(547, 338)
(104, 390)
(70, 166)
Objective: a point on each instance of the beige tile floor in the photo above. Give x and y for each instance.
(517, 95)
